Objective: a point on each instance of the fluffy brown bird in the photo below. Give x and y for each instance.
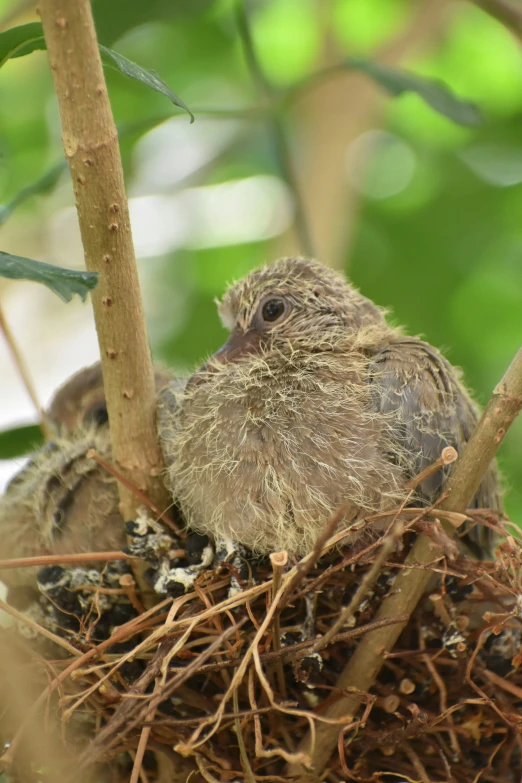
(62, 502)
(314, 402)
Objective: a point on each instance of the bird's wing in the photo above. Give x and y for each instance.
(429, 410)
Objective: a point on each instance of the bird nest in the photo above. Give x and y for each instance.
(232, 680)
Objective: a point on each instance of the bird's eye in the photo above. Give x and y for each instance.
(273, 309)
(97, 415)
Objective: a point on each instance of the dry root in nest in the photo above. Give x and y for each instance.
(224, 681)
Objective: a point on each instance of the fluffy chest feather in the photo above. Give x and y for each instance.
(265, 453)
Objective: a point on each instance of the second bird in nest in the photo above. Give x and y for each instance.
(62, 502)
(314, 402)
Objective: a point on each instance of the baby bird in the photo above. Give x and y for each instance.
(63, 502)
(313, 403)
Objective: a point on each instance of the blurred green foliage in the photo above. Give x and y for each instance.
(438, 232)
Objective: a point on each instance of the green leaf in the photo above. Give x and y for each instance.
(150, 78)
(18, 41)
(43, 184)
(19, 441)
(63, 282)
(436, 94)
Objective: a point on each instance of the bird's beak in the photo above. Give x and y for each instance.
(238, 344)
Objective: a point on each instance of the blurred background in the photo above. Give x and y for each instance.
(423, 213)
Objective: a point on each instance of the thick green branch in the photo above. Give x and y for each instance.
(90, 142)
(409, 586)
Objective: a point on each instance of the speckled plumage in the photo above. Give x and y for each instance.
(62, 502)
(326, 406)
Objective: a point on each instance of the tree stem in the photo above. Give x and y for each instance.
(90, 141)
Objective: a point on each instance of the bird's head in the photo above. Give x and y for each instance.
(291, 305)
(80, 401)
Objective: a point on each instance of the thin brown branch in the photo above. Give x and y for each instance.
(449, 455)
(196, 721)
(296, 651)
(23, 618)
(443, 695)
(245, 761)
(93, 454)
(90, 142)
(409, 585)
(502, 682)
(416, 763)
(24, 374)
(79, 557)
(142, 747)
(278, 560)
(504, 12)
(307, 563)
(130, 713)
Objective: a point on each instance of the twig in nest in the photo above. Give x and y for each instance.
(129, 586)
(448, 455)
(416, 762)
(307, 563)
(195, 721)
(291, 758)
(296, 651)
(388, 545)
(241, 742)
(477, 688)
(352, 559)
(278, 560)
(501, 682)
(359, 724)
(436, 533)
(443, 694)
(142, 744)
(122, 633)
(130, 714)
(194, 741)
(38, 628)
(79, 557)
